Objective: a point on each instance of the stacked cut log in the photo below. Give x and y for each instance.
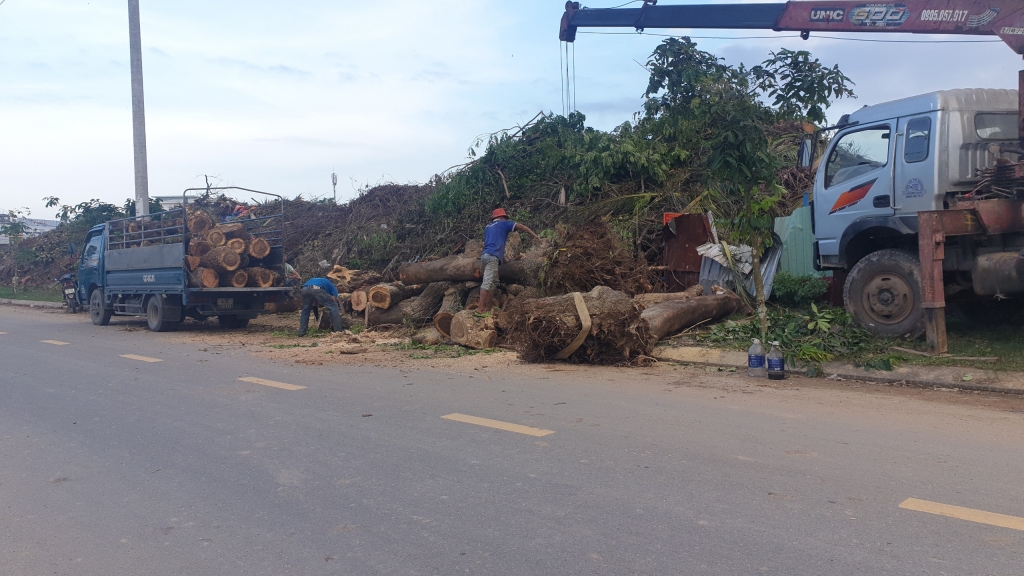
(236, 279)
(415, 311)
(384, 296)
(208, 249)
(260, 277)
(204, 278)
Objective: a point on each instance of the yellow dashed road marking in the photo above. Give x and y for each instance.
(140, 358)
(271, 383)
(54, 342)
(530, 430)
(969, 514)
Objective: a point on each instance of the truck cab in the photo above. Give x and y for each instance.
(883, 165)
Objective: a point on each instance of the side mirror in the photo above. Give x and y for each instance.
(73, 249)
(805, 154)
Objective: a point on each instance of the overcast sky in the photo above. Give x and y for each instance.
(278, 95)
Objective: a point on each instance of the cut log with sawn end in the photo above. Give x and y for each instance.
(235, 279)
(204, 278)
(474, 330)
(222, 259)
(259, 248)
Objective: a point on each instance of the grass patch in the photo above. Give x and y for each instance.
(28, 293)
(425, 351)
(986, 329)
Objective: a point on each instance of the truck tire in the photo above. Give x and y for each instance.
(883, 294)
(156, 316)
(99, 313)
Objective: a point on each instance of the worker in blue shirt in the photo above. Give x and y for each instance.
(495, 235)
(320, 291)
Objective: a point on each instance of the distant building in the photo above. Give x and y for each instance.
(36, 226)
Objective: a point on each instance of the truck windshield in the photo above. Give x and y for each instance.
(857, 153)
(996, 126)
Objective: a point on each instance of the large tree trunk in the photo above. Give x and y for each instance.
(545, 328)
(396, 315)
(421, 309)
(473, 331)
(236, 279)
(385, 296)
(672, 316)
(259, 248)
(192, 262)
(222, 259)
(652, 299)
(204, 278)
(525, 271)
(450, 269)
(428, 337)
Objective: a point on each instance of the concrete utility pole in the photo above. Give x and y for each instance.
(334, 185)
(138, 112)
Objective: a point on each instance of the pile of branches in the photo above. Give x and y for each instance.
(591, 254)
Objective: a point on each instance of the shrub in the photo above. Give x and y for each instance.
(798, 291)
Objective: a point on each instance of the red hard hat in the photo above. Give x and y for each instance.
(498, 213)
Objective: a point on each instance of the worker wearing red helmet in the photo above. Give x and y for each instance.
(495, 235)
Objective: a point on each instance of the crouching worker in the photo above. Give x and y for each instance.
(320, 291)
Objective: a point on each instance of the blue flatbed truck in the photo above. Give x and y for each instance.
(138, 267)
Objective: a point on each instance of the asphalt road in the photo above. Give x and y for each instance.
(112, 465)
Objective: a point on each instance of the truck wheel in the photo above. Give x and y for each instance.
(99, 313)
(155, 316)
(883, 294)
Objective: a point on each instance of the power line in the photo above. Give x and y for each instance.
(797, 36)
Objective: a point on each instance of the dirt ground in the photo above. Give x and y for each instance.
(273, 337)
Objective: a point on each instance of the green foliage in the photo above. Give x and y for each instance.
(89, 214)
(809, 338)
(802, 88)
(798, 291)
(13, 227)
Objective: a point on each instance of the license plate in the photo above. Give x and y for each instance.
(69, 291)
(225, 303)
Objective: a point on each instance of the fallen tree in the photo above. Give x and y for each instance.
(555, 327)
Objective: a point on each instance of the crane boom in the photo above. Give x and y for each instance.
(1002, 18)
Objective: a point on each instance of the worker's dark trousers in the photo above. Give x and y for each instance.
(311, 296)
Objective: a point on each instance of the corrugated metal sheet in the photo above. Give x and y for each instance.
(712, 273)
(798, 243)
